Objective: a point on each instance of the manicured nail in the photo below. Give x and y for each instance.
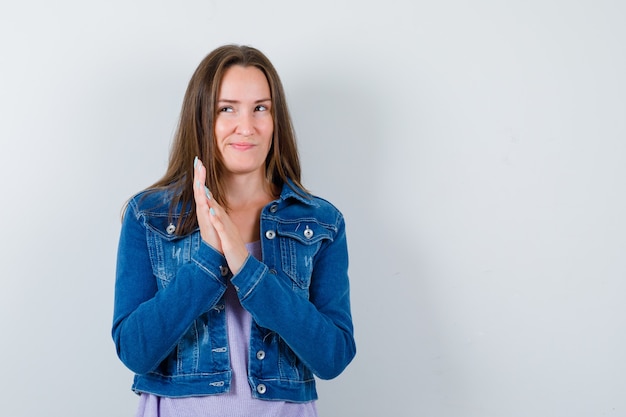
(212, 211)
(195, 162)
(197, 184)
(207, 192)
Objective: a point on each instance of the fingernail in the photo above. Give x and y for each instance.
(197, 184)
(195, 162)
(207, 192)
(212, 211)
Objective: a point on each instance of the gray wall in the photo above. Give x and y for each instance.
(476, 148)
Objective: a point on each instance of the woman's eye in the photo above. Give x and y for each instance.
(261, 107)
(226, 110)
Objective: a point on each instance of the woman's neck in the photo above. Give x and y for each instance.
(246, 197)
(243, 191)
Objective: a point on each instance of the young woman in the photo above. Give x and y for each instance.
(232, 288)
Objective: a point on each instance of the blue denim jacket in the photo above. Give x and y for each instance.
(169, 323)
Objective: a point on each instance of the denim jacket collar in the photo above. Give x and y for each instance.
(289, 191)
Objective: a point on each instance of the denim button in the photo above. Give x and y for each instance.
(170, 229)
(261, 389)
(274, 208)
(260, 355)
(223, 270)
(308, 233)
(270, 234)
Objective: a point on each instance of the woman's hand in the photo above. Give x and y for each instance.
(216, 227)
(201, 195)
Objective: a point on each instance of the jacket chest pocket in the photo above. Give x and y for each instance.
(167, 251)
(299, 244)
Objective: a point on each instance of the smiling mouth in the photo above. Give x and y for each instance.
(242, 146)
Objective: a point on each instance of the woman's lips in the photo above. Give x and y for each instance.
(242, 146)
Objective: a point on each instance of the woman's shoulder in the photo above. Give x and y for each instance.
(151, 201)
(323, 203)
(312, 205)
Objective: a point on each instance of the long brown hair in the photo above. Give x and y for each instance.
(195, 135)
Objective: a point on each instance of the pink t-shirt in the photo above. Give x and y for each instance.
(238, 402)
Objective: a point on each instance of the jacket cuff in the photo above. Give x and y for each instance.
(211, 262)
(248, 276)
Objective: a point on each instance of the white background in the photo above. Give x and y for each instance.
(476, 148)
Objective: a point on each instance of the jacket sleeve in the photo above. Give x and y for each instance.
(147, 321)
(319, 329)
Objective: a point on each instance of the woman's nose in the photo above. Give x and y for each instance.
(246, 125)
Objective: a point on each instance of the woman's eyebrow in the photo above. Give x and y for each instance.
(227, 100)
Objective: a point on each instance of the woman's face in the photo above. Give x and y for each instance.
(244, 125)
